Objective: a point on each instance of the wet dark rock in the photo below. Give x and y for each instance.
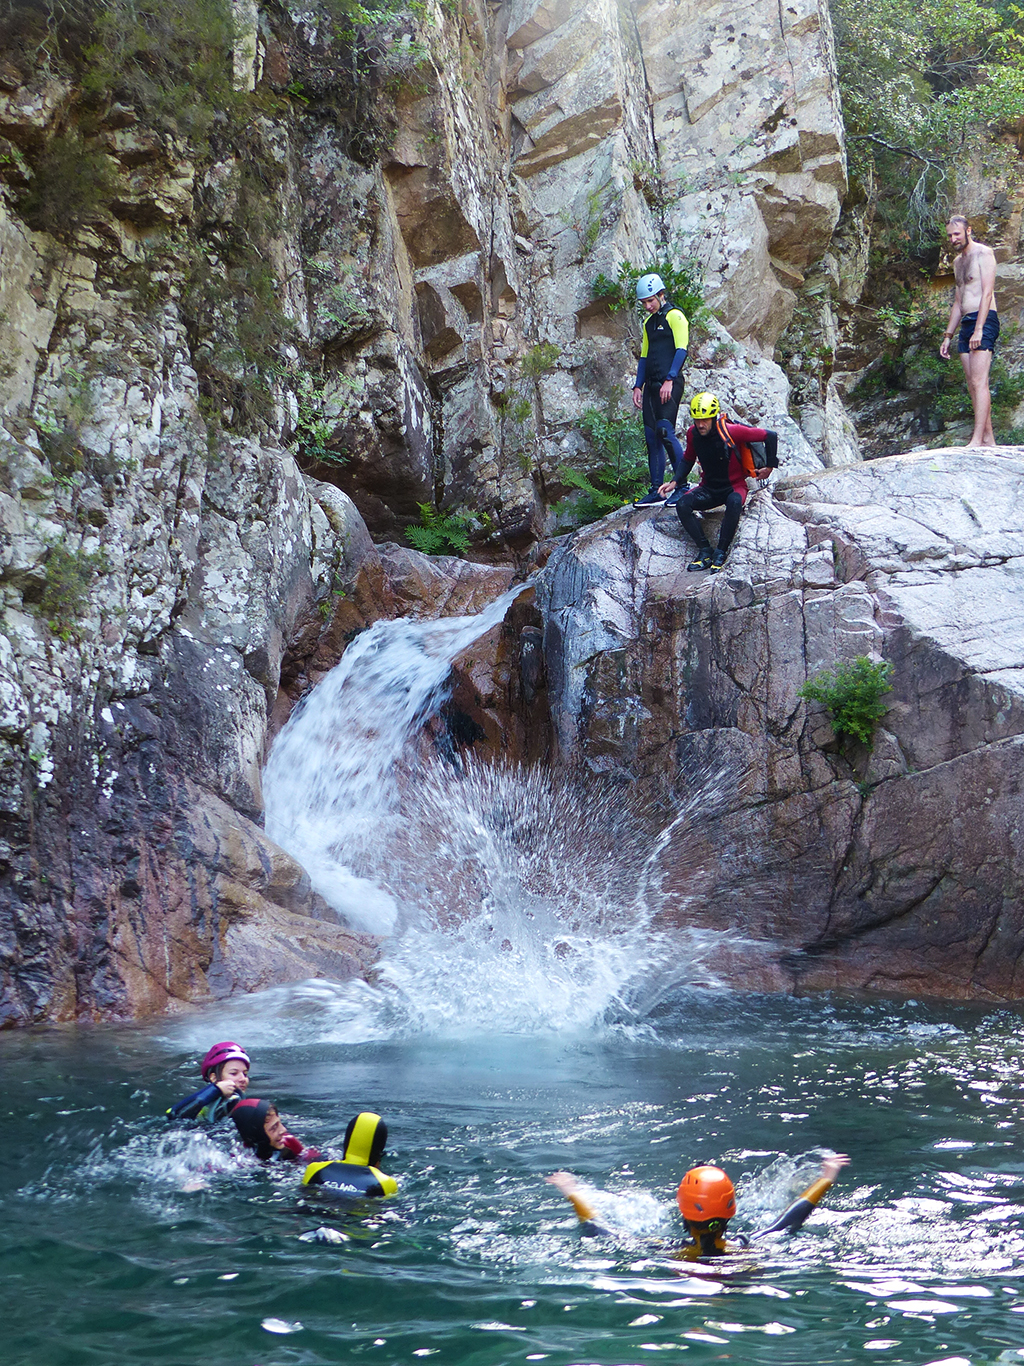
(901, 870)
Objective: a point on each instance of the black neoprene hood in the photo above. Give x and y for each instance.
(250, 1115)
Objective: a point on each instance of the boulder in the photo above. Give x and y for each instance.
(898, 870)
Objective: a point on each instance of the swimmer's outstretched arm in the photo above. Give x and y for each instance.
(569, 1186)
(797, 1213)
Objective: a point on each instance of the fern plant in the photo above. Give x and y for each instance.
(620, 473)
(440, 532)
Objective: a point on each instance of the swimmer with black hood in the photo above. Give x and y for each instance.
(356, 1176)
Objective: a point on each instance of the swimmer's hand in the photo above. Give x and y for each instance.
(832, 1166)
(227, 1088)
(569, 1186)
(563, 1181)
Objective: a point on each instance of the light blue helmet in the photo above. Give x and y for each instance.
(649, 285)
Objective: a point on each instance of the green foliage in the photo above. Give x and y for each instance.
(587, 223)
(344, 309)
(60, 433)
(235, 321)
(315, 427)
(648, 182)
(326, 605)
(852, 692)
(350, 15)
(69, 574)
(339, 309)
(385, 54)
(68, 188)
(922, 82)
(911, 329)
(683, 284)
(175, 64)
(172, 60)
(440, 532)
(516, 428)
(1007, 389)
(619, 472)
(539, 360)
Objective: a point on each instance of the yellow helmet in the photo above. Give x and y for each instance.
(704, 406)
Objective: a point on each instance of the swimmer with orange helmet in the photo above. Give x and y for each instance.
(707, 1201)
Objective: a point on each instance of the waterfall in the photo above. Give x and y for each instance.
(513, 899)
(332, 784)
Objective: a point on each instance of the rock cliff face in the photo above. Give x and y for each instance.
(356, 283)
(900, 870)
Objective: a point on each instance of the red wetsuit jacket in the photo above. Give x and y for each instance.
(722, 468)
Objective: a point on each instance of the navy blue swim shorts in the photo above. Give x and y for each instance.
(989, 332)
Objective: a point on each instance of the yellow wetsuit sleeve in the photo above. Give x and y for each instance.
(680, 329)
(388, 1184)
(814, 1192)
(643, 339)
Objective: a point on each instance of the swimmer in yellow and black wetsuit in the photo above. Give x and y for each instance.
(356, 1176)
(707, 1201)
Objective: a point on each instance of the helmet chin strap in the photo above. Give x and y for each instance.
(707, 1236)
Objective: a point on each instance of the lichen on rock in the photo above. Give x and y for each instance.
(246, 331)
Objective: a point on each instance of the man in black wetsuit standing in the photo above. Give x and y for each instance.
(659, 385)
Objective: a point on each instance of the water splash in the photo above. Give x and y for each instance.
(151, 1167)
(528, 900)
(517, 900)
(331, 783)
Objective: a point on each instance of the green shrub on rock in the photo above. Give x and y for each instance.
(683, 284)
(71, 184)
(618, 475)
(69, 576)
(852, 692)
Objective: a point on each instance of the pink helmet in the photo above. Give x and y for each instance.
(221, 1053)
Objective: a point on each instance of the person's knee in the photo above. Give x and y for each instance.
(734, 502)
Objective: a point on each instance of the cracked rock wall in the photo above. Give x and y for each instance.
(189, 469)
(899, 870)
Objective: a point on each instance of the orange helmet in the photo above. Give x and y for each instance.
(706, 1193)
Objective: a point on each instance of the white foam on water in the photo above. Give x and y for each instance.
(515, 900)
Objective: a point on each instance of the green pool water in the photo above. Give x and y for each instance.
(127, 1242)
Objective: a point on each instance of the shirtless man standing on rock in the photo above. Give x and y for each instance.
(974, 312)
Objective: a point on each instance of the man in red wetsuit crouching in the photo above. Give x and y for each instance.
(722, 449)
